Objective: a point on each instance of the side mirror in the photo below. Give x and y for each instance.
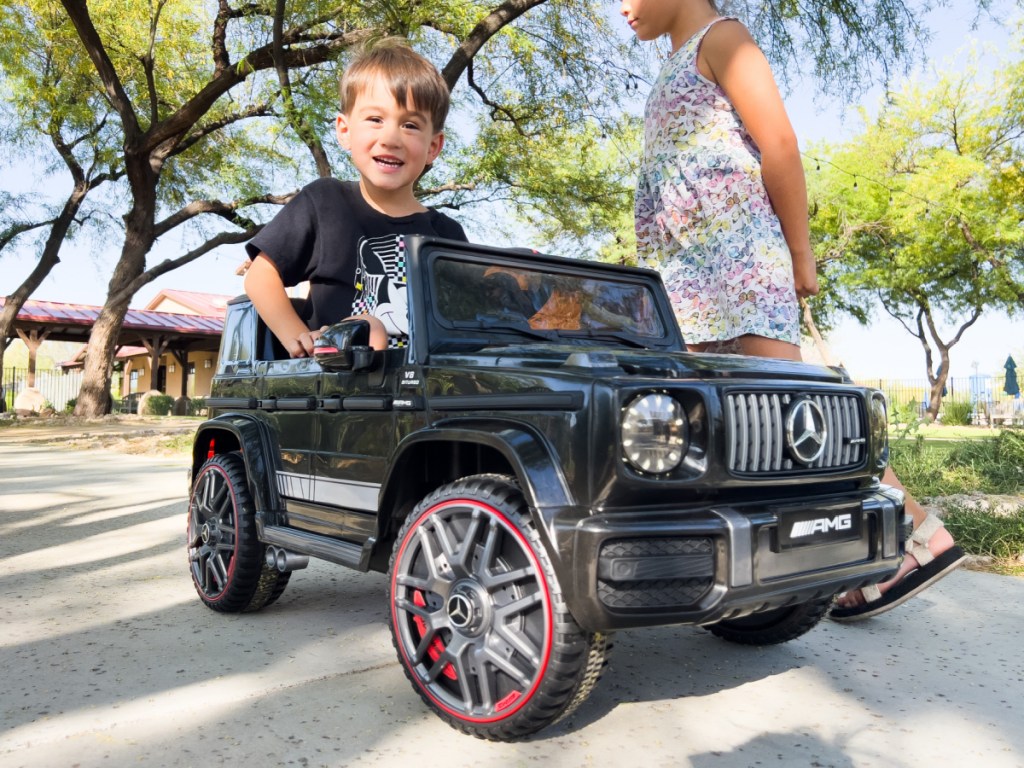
(345, 346)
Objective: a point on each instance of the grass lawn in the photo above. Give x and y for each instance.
(944, 432)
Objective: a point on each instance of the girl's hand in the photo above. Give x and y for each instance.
(805, 276)
(805, 288)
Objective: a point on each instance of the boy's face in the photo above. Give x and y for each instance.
(390, 144)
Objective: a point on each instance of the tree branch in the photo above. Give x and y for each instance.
(227, 210)
(224, 238)
(79, 14)
(9, 234)
(256, 110)
(168, 132)
(487, 28)
(295, 119)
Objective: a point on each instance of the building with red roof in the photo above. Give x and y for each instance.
(170, 345)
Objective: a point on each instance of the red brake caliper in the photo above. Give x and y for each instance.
(436, 645)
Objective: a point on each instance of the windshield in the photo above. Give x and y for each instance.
(540, 302)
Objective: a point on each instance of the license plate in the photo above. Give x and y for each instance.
(809, 527)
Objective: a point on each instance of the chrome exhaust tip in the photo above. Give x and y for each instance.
(285, 561)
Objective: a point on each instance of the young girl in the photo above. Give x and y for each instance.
(721, 209)
(721, 203)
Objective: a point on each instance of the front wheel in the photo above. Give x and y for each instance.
(774, 626)
(225, 556)
(477, 614)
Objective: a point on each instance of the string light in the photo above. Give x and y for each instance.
(928, 204)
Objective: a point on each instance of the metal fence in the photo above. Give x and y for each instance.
(56, 387)
(986, 394)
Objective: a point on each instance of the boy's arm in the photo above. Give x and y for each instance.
(265, 288)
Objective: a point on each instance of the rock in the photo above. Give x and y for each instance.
(29, 401)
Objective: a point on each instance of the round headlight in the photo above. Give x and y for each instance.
(879, 430)
(654, 433)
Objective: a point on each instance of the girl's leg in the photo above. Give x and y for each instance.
(939, 542)
(759, 346)
(754, 346)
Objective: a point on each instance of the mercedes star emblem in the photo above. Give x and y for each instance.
(460, 610)
(806, 430)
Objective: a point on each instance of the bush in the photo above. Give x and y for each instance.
(989, 465)
(197, 406)
(1011, 446)
(957, 413)
(981, 532)
(69, 406)
(158, 405)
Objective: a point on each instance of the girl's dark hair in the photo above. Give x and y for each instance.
(406, 74)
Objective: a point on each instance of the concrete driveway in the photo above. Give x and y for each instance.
(109, 659)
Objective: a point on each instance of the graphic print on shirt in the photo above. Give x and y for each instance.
(381, 284)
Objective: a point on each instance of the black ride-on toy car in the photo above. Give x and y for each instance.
(540, 465)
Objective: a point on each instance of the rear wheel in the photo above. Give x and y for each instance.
(477, 615)
(226, 558)
(775, 626)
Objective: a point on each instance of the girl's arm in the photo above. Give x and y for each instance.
(730, 57)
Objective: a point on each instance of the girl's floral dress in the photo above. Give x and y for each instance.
(703, 217)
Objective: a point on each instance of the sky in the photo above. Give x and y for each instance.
(882, 350)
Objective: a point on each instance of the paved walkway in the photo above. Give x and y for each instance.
(109, 659)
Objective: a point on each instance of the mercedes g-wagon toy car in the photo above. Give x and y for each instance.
(541, 464)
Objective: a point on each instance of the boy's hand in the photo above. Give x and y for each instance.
(302, 346)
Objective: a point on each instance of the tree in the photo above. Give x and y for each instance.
(924, 211)
(181, 113)
(208, 104)
(54, 99)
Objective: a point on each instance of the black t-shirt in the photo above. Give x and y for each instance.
(327, 234)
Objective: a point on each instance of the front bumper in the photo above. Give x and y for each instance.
(710, 563)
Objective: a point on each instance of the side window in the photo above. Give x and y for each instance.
(239, 331)
(267, 345)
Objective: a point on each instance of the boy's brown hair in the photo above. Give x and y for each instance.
(404, 71)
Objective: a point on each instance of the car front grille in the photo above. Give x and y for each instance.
(756, 433)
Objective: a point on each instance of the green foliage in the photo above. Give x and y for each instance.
(922, 210)
(957, 413)
(183, 106)
(158, 405)
(933, 468)
(981, 532)
(69, 406)
(1010, 446)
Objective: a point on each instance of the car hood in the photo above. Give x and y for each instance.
(653, 364)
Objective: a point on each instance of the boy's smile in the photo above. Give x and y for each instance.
(390, 146)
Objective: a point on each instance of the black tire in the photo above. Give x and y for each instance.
(477, 614)
(775, 626)
(226, 558)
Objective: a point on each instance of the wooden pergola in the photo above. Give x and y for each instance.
(157, 332)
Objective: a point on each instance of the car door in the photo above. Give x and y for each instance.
(287, 402)
(356, 439)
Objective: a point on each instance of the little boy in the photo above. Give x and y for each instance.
(344, 237)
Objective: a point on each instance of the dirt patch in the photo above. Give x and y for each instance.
(142, 435)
